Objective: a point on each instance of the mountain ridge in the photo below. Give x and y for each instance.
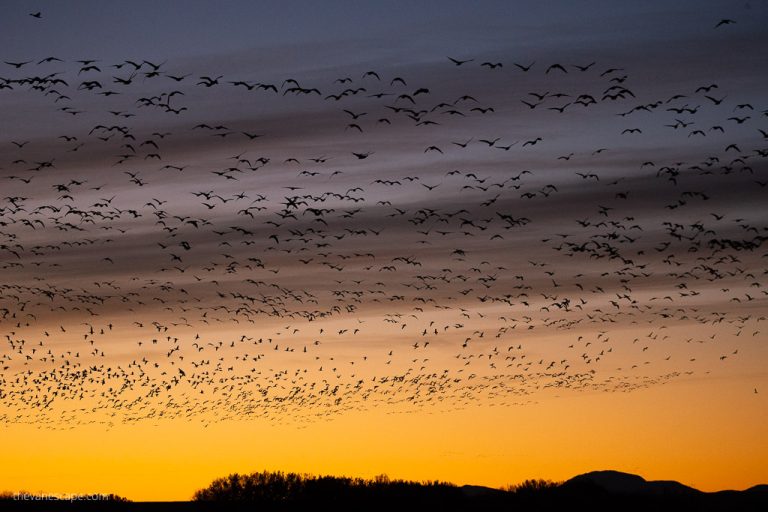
(619, 482)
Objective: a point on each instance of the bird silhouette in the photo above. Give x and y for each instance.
(459, 62)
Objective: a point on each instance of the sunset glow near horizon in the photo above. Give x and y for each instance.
(471, 243)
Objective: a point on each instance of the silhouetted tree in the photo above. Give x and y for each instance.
(533, 486)
(277, 487)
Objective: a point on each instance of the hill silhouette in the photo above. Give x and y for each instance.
(616, 482)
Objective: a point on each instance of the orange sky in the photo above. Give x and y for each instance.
(711, 442)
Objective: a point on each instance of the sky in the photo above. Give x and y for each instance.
(478, 243)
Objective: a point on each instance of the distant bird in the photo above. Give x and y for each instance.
(459, 62)
(532, 142)
(18, 65)
(584, 68)
(208, 81)
(530, 105)
(464, 144)
(556, 67)
(525, 68)
(715, 100)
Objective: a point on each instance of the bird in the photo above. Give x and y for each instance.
(584, 68)
(18, 65)
(715, 100)
(556, 67)
(459, 62)
(724, 21)
(525, 68)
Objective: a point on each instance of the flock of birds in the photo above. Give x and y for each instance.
(182, 244)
